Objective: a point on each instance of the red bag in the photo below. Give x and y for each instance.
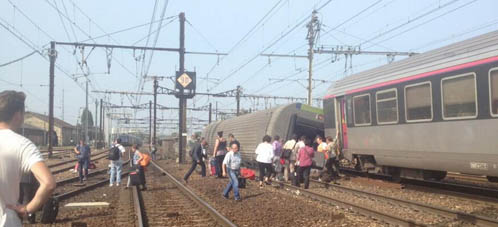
(247, 173)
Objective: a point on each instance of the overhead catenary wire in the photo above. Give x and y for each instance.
(233, 72)
(18, 59)
(425, 22)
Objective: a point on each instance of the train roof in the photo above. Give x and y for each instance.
(478, 48)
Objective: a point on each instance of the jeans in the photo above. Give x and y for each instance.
(83, 166)
(219, 162)
(233, 174)
(192, 168)
(303, 172)
(116, 171)
(153, 155)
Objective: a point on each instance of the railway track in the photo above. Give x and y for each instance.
(460, 189)
(96, 179)
(71, 163)
(73, 160)
(389, 217)
(168, 202)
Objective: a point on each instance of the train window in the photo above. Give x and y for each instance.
(418, 102)
(387, 106)
(459, 97)
(493, 91)
(361, 109)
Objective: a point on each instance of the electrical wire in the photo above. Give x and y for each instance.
(19, 59)
(425, 22)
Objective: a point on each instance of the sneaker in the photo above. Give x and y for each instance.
(110, 185)
(238, 200)
(225, 196)
(84, 178)
(117, 184)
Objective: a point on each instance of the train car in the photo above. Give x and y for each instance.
(283, 121)
(424, 115)
(128, 140)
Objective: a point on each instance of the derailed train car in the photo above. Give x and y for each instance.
(283, 121)
(422, 116)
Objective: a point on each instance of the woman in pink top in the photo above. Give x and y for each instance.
(305, 158)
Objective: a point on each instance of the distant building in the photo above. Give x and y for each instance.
(35, 134)
(64, 131)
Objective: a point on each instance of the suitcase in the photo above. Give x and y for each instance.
(242, 182)
(134, 178)
(212, 163)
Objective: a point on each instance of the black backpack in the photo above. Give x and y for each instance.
(114, 153)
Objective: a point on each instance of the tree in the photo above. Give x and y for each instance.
(84, 118)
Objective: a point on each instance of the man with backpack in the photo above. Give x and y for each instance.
(115, 154)
(197, 158)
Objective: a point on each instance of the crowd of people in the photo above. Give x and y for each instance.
(279, 161)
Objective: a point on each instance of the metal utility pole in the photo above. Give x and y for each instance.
(183, 101)
(53, 56)
(150, 122)
(156, 85)
(101, 119)
(313, 30)
(237, 97)
(62, 104)
(210, 112)
(216, 111)
(95, 123)
(86, 111)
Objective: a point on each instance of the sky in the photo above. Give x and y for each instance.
(243, 29)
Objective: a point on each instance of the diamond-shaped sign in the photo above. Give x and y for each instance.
(184, 80)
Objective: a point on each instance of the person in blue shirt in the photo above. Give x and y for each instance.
(231, 167)
(83, 154)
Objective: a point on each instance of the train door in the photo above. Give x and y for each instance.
(342, 126)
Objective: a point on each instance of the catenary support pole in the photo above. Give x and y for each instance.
(237, 96)
(210, 112)
(150, 122)
(156, 85)
(53, 56)
(183, 101)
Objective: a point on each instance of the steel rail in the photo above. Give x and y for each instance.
(72, 160)
(456, 215)
(138, 205)
(222, 220)
(68, 168)
(462, 189)
(84, 189)
(389, 218)
(74, 179)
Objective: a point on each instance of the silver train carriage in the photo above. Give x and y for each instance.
(422, 116)
(284, 121)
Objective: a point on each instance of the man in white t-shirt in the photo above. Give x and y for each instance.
(18, 156)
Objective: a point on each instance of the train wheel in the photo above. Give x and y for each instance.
(492, 179)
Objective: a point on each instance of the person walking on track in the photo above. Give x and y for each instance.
(137, 158)
(287, 155)
(220, 149)
(197, 158)
(264, 157)
(116, 165)
(305, 157)
(231, 168)
(83, 154)
(18, 157)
